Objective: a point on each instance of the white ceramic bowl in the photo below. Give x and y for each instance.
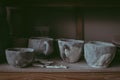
(99, 54)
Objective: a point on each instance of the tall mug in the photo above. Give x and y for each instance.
(42, 46)
(70, 49)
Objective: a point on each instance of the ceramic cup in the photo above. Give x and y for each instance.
(19, 57)
(99, 54)
(43, 46)
(70, 49)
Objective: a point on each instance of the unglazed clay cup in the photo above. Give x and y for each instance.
(19, 57)
(70, 49)
(41, 45)
(99, 54)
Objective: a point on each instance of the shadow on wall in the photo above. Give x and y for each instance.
(4, 33)
(60, 20)
(102, 24)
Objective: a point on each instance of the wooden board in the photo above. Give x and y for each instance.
(80, 66)
(60, 76)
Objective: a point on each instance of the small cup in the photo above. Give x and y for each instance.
(19, 57)
(99, 54)
(41, 45)
(70, 49)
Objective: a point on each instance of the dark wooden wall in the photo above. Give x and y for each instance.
(4, 33)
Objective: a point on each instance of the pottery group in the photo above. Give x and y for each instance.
(97, 54)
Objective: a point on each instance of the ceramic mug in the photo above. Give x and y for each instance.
(19, 57)
(41, 45)
(70, 49)
(99, 54)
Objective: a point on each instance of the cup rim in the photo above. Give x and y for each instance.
(39, 38)
(101, 43)
(20, 49)
(69, 40)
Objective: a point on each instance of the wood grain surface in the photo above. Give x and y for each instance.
(60, 76)
(79, 27)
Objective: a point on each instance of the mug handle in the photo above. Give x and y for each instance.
(46, 48)
(66, 50)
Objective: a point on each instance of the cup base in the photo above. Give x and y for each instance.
(94, 66)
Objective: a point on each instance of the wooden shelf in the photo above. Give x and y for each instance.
(76, 71)
(60, 76)
(78, 3)
(80, 66)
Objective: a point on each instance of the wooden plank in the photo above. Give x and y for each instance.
(60, 76)
(80, 3)
(79, 24)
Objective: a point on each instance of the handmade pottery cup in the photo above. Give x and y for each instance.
(70, 49)
(19, 57)
(99, 54)
(43, 46)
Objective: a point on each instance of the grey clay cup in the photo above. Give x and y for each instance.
(43, 46)
(19, 57)
(70, 49)
(99, 54)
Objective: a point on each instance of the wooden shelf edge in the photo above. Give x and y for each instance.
(60, 76)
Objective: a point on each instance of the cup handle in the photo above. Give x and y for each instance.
(46, 48)
(66, 51)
